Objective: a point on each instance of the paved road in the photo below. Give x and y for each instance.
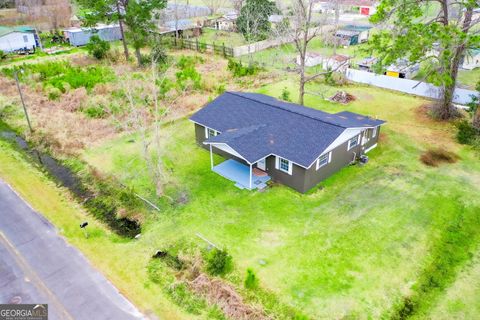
(38, 266)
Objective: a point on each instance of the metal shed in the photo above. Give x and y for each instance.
(81, 36)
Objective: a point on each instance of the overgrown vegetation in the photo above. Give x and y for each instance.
(98, 48)
(239, 70)
(62, 75)
(218, 262)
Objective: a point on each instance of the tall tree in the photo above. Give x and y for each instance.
(302, 28)
(253, 19)
(136, 15)
(411, 31)
(476, 115)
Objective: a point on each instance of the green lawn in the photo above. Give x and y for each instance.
(230, 39)
(469, 78)
(351, 249)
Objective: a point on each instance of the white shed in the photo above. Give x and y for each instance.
(311, 59)
(12, 39)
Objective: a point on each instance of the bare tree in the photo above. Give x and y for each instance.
(147, 111)
(301, 30)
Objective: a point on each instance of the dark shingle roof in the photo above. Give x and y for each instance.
(257, 125)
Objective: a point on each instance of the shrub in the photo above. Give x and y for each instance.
(251, 280)
(466, 133)
(435, 157)
(158, 54)
(218, 262)
(188, 72)
(221, 88)
(95, 112)
(53, 93)
(239, 70)
(285, 95)
(3, 55)
(97, 47)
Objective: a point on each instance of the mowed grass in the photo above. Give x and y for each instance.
(352, 248)
(469, 78)
(230, 39)
(121, 261)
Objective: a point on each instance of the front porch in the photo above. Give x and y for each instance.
(245, 177)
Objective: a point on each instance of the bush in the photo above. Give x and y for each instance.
(97, 47)
(218, 262)
(95, 112)
(251, 280)
(188, 72)
(239, 70)
(285, 95)
(466, 133)
(158, 54)
(53, 93)
(3, 55)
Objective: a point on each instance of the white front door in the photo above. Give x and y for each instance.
(261, 164)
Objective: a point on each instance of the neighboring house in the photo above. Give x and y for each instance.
(227, 22)
(363, 7)
(275, 20)
(403, 69)
(367, 64)
(337, 62)
(363, 32)
(264, 138)
(311, 59)
(347, 37)
(81, 36)
(471, 60)
(16, 39)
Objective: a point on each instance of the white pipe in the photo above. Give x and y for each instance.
(211, 158)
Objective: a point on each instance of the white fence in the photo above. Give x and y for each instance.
(461, 96)
(269, 43)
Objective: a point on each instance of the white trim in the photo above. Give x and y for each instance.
(279, 167)
(225, 147)
(374, 132)
(350, 147)
(370, 148)
(263, 163)
(329, 159)
(207, 129)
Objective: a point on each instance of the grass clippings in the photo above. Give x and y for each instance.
(436, 157)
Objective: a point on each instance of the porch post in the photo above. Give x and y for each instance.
(211, 158)
(250, 176)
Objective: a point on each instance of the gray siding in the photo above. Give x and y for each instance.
(301, 179)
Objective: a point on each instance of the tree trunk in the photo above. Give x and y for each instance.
(124, 41)
(447, 110)
(476, 118)
(301, 91)
(139, 56)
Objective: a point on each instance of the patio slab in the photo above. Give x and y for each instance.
(239, 173)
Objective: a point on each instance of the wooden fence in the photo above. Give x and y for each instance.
(194, 44)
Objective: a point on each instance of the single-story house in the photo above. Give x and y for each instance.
(227, 22)
(347, 37)
(337, 62)
(471, 60)
(16, 39)
(311, 59)
(363, 31)
(264, 138)
(363, 7)
(81, 36)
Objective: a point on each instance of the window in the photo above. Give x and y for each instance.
(324, 160)
(209, 132)
(353, 142)
(374, 132)
(284, 165)
(25, 39)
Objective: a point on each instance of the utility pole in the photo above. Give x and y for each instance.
(15, 73)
